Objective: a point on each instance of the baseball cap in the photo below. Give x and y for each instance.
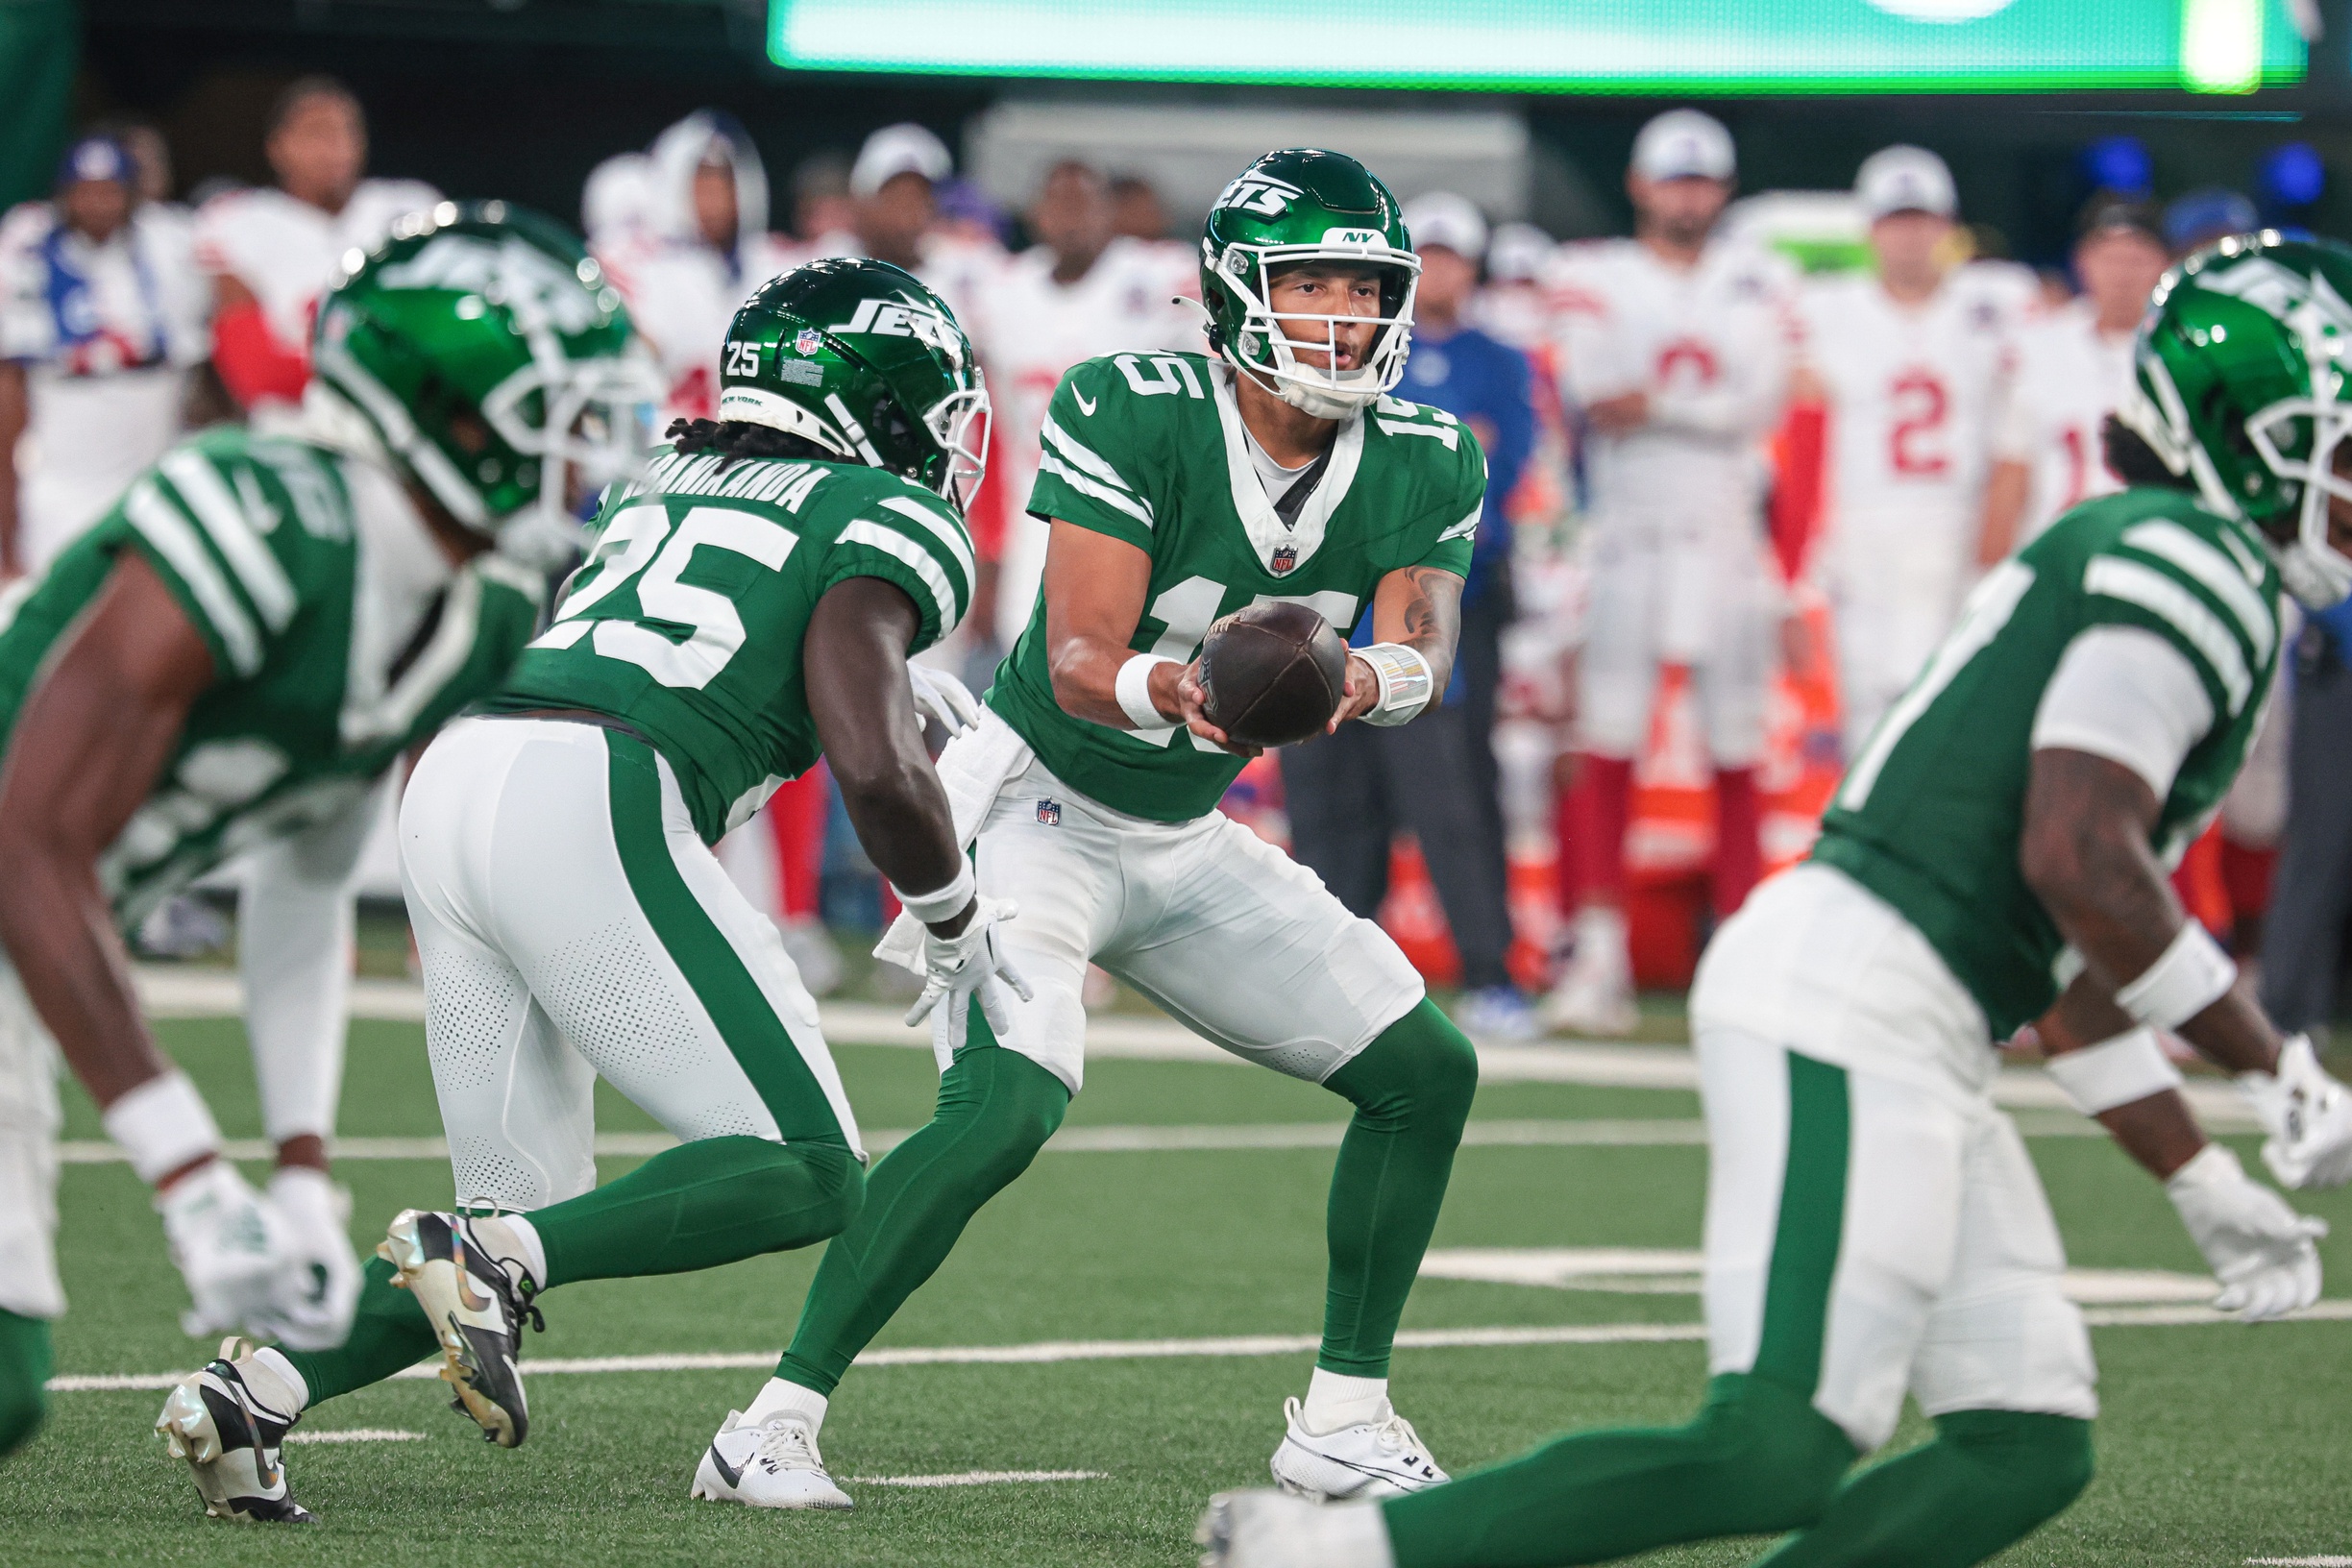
(1904, 179)
(906, 148)
(97, 158)
(2110, 212)
(1443, 218)
(1682, 143)
(1517, 253)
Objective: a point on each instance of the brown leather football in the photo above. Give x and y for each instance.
(1273, 673)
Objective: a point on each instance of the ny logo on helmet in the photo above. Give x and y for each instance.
(1261, 194)
(539, 288)
(2310, 306)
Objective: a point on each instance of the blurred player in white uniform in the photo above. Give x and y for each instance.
(1674, 352)
(2074, 366)
(101, 315)
(272, 251)
(1911, 363)
(1079, 292)
(696, 251)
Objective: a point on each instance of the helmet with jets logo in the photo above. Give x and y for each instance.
(860, 359)
(2240, 388)
(1294, 206)
(483, 351)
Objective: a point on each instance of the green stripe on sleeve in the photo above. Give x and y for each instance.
(1812, 1223)
(746, 1021)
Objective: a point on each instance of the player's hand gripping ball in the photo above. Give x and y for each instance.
(1272, 675)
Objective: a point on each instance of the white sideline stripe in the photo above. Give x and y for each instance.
(976, 1478)
(2302, 1562)
(174, 991)
(1052, 1351)
(357, 1434)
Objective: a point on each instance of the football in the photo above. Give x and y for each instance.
(1273, 673)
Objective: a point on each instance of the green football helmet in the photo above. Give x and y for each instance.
(2241, 387)
(483, 351)
(863, 360)
(1303, 204)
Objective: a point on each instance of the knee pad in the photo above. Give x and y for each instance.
(1772, 1460)
(1420, 1064)
(2033, 1463)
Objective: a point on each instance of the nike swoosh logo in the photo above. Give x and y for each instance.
(728, 1473)
(1084, 406)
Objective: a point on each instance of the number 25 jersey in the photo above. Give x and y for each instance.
(686, 622)
(1149, 449)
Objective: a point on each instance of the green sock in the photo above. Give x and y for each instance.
(1989, 1477)
(24, 1374)
(1758, 1460)
(995, 1109)
(713, 1201)
(387, 1333)
(1411, 1087)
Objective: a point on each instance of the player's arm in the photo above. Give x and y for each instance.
(2005, 490)
(1095, 588)
(1417, 609)
(91, 740)
(855, 659)
(15, 411)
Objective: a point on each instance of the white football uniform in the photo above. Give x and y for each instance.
(288, 253)
(2070, 378)
(1912, 393)
(1030, 332)
(1676, 553)
(106, 333)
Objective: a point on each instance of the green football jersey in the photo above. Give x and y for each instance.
(1930, 815)
(1150, 449)
(339, 638)
(685, 623)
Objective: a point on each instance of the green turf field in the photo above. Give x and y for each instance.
(2220, 1443)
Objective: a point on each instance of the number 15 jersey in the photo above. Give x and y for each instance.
(686, 622)
(1150, 449)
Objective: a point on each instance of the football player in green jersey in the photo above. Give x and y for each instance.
(228, 665)
(749, 603)
(1180, 487)
(1996, 853)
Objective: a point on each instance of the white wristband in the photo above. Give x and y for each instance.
(2130, 1067)
(942, 904)
(1406, 684)
(162, 1125)
(2187, 978)
(1134, 691)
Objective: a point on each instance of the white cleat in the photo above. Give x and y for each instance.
(229, 1436)
(1595, 993)
(772, 1464)
(1273, 1529)
(1369, 1460)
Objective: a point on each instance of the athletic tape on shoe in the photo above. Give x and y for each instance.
(1134, 692)
(2130, 1067)
(945, 903)
(162, 1125)
(1407, 685)
(2189, 976)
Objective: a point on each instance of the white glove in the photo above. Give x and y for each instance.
(957, 968)
(316, 1295)
(945, 699)
(2263, 1252)
(2307, 1115)
(233, 1249)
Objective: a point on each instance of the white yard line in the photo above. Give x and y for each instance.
(975, 1478)
(1052, 1351)
(2302, 1562)
(179, 990)
(357, 1434)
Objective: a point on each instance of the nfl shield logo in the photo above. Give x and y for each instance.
(1049, 812)
(808, 340)
(1284, 559)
